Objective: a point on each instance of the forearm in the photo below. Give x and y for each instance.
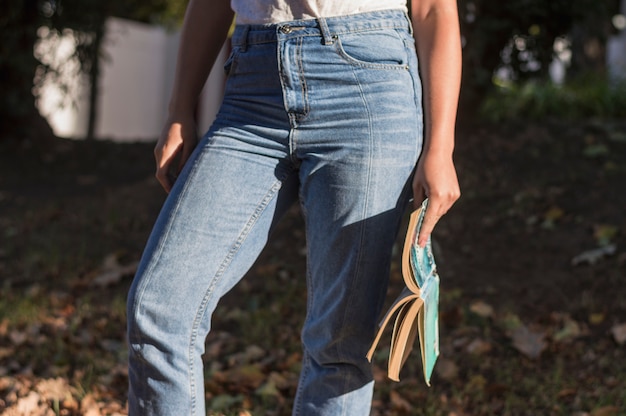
(203, 34)
(438, 42)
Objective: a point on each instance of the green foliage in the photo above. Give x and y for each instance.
(489, 27)
(20, 22)
(585, 97)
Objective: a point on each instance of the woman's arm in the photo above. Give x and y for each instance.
(438, 40)
(203, 34)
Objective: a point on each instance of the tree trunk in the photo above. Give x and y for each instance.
(21, 119)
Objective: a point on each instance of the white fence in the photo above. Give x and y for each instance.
(137, 70)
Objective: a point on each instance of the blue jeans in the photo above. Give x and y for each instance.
(326, 112)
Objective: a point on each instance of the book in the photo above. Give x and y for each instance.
(416, 309)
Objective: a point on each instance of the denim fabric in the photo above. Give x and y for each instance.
(326, 112)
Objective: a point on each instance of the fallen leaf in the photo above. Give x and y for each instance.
(268, 389)
(571, 330)
(619, 333)
(567, 393)
(595, 150)
(224, 401)
(246, 377)
(510, 322)
(606, 411)
(551, 216)
(591, 257)
(4, 327)
(528, 342)
(251, 354)
(18, 338)
(479, 347)
(89, 406)
(604, 233)
(54, 389)
(29, 404)
(6, 352)
(112, 272)
(596, 318)
(482, 309)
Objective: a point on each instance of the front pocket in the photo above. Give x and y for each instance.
(375, 49)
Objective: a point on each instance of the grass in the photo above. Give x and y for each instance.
(588, 96)
(493, 248)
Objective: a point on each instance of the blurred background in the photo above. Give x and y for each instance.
(532, 258)
(92, 70)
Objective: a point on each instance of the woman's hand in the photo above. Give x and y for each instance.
(203, 33)
(438, 40)
(177, 141)
(435, 179)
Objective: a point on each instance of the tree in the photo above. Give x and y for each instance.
(520, 35)
(20, 23)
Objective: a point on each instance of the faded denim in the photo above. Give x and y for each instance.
(326, 112)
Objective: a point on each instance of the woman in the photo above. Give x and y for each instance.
(323, 105)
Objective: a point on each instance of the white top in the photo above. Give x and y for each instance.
(277, 11)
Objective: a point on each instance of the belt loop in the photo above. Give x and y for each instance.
(410, 22)
(328, 38)
(244, 37)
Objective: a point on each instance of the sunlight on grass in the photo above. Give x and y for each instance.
(589, 96)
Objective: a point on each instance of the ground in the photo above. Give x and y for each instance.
(532, 260)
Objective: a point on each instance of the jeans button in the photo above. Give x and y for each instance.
(285, 29)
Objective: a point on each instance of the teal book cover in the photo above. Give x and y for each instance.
(416, 310)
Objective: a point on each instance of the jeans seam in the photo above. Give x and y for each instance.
(200, 313)
(364, 211)
(347, 58)
(303, 85)
(158, 254)
(306, 362)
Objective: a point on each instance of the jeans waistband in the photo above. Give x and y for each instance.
(325, 27)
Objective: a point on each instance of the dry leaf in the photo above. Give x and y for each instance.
(89, 406)
(482, 309)
(528, 342)
(591, 257)
(251, 354)
(479, 347)
(571, 330)
(604, 233)
(54, 389)
(606, 411)
(268, 389)
(4, 327)
(112, 272)
(596, 318)
(567, 393)
(619, 333)
(29, 404)
(248, 376)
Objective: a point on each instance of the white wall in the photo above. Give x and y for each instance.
(137, 70)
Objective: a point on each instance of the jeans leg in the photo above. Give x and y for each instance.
(358, 138)
(210, 231)
(351, 224)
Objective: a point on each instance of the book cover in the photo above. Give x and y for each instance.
(416, 308)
